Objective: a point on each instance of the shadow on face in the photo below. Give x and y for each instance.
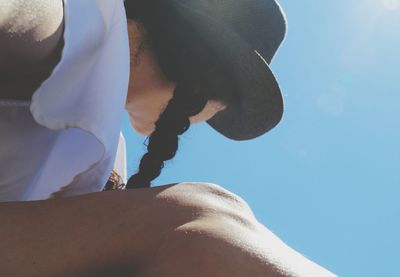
(149, 90)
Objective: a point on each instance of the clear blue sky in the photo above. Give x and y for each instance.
(327, 179)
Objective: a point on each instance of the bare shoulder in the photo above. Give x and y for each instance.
(209, 230)
(30, 37)
(30, 29)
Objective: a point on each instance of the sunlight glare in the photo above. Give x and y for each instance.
(391, 4)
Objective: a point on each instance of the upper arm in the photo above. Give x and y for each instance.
(30, 31)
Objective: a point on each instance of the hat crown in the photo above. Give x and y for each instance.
(260, 23)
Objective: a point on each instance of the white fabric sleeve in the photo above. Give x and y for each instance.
(84, 98)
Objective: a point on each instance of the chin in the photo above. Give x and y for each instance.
(143, 130)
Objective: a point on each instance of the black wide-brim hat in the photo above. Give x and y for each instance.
(245, 35)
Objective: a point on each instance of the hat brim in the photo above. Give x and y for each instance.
(259, 105)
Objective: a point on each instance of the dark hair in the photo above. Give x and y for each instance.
(186, 61)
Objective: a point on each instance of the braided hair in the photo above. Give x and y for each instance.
(187, 62)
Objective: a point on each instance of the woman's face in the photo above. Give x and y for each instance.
(149, 90)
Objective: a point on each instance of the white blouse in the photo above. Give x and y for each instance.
(64, 142)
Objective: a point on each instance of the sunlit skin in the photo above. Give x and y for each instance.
(149, 90)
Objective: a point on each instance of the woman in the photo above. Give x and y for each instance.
(73, 60)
